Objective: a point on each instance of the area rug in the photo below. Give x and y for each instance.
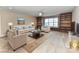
(33, 44)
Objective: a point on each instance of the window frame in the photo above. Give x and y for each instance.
(53, 22)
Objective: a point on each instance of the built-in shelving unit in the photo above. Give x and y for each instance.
(39, 22)
(66, 22)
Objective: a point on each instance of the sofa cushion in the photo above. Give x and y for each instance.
(19, 28)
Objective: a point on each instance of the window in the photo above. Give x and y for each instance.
(52, 22)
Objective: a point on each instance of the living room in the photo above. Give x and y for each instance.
(39, 29)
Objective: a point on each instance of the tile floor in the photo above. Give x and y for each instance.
(56, 43)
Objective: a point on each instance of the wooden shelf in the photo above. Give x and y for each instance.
(65, 22)
(39, 22)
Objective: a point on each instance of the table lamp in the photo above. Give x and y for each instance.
(32, 23)
(10, 25)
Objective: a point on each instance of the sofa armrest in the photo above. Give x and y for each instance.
(20, 37)
(18, 41)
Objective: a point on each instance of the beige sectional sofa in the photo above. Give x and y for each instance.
(16, 41)
(45, 29)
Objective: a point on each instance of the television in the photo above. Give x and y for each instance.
(77, 29)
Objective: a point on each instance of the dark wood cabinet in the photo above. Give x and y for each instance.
(73, 27)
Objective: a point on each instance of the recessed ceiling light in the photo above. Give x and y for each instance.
(40, 13)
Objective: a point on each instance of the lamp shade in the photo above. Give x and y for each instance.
(10, 24)
(32, 23)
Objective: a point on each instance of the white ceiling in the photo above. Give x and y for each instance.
(34, 10)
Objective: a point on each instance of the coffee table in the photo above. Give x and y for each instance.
(36, 34)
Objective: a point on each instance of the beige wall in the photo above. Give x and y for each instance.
(75, 16)
(7, 16)
(0, 25)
